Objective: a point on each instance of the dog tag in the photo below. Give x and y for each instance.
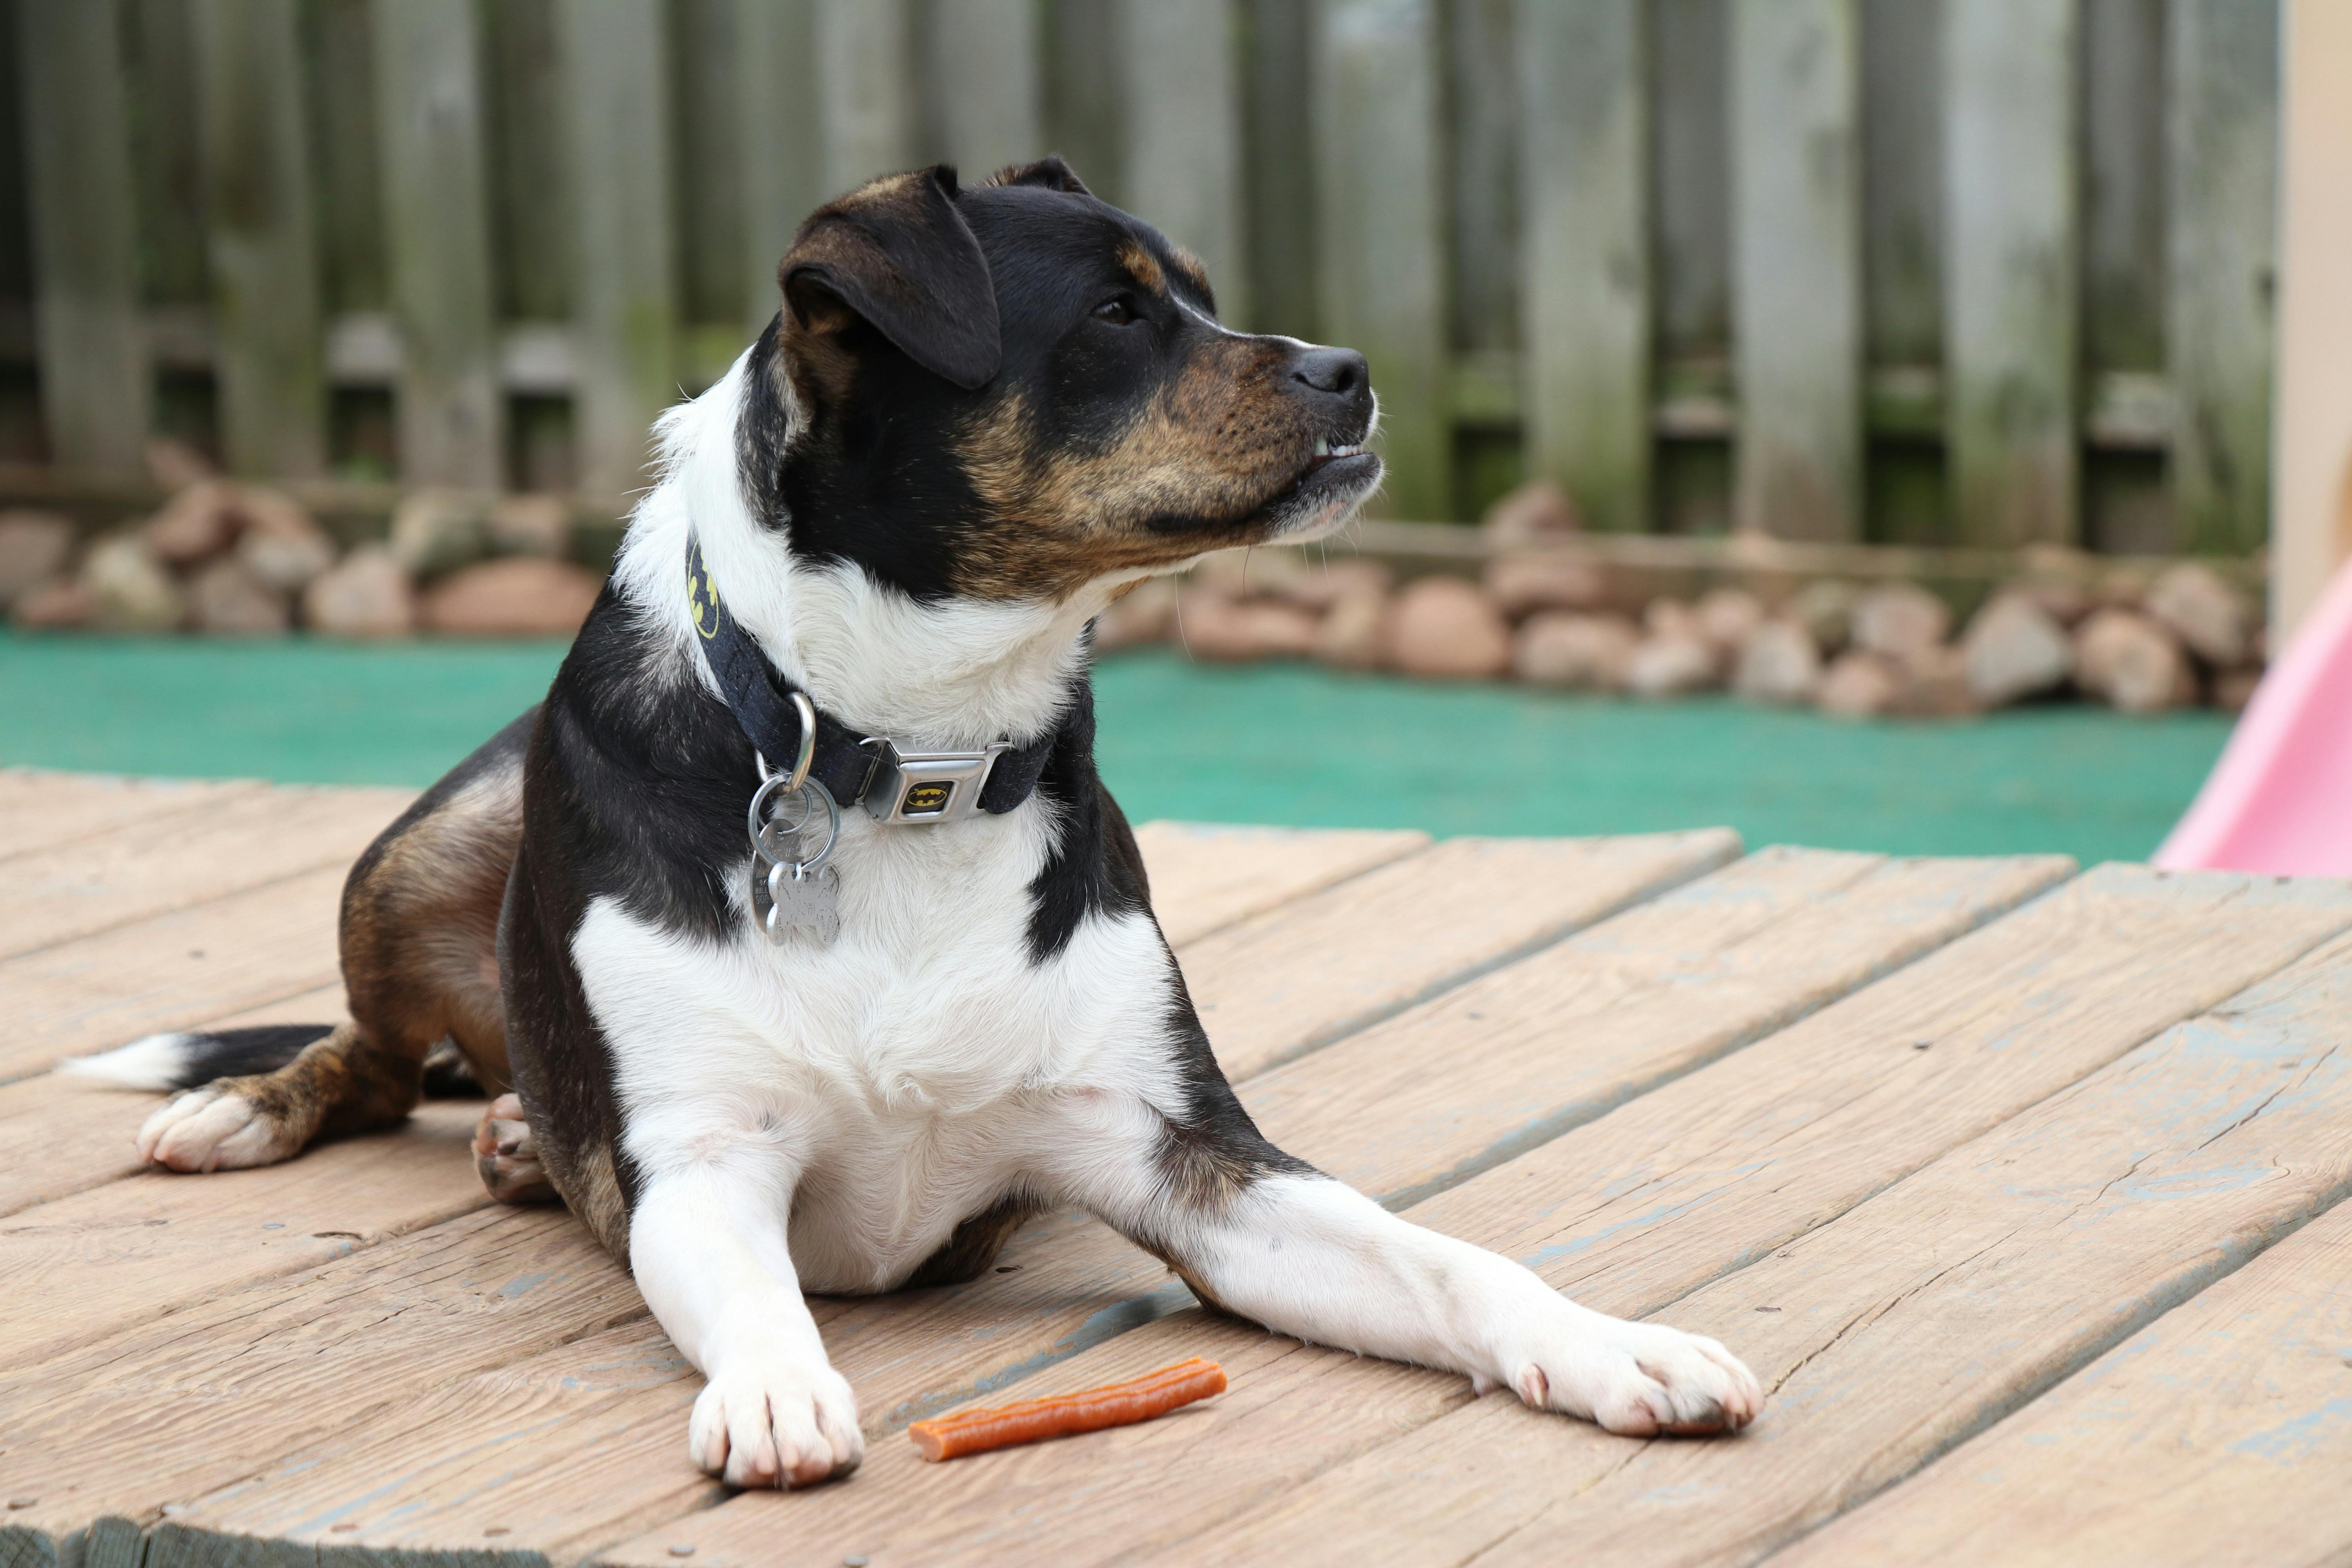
(802, 904)
(794, 893)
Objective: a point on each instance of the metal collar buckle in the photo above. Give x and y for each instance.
(914, 787)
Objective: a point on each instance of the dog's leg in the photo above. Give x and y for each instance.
(707, 1242)
(345, 1083)
(507, 1158)
(1262, 1237)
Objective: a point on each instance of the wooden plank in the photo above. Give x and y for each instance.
(1181, 157)
(262, 248)
(1205, 876)
(2124, 179)
(55, 895)
(530, 175)
(169, 972)
(431, 136)
(1962, 1294)
(625, 298)
(2221, 212)
(1689, 178)
(2311, 525)
(2215, 1434)
(1287, 981)
(1797, 244)
(983, 83)
(782, 137)
(1767, 940)
(1584, 294)
(865, 102)
(1903, 181)
(1483, 104)
(1658, 1199)
(1379, 237)
(40, 809)
(166, 141)
(1278, 175)
(2009, 330)
(89, 332)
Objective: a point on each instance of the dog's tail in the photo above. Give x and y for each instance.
(185, 1060)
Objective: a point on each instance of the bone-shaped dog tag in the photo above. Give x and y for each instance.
(805, 904)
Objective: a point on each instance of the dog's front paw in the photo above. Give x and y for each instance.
(772, 1422)
(1635, 1379)
(506, 1157)
(215, 1129)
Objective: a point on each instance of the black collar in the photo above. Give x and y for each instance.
(845, 761)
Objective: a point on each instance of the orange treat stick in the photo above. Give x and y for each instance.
(1090, 1410)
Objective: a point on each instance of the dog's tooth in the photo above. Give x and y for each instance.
(1322, 447)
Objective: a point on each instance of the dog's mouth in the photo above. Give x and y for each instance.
(1335, 477)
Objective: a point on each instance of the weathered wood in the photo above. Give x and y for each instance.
(1278, 173)
(55, 895)
(531, 174)
(1181, 76)
(1379, 237)
(262, 246)
(41, 809)
(1796, 242)
(2221, 216)
(93, 347)
(1307, 972)
(431, 135)
(338, 43)
(625, 290)
(1584, 293)
(783, 140)
(2010, 268)
(1205, 876)
(166, 141)
(1689, 178)
(2215, 1432)
(1903, 180)
(169, 972)
(864, 102)
(983, 83)
(2310, 526)
(1482, 103)
(2124, 182)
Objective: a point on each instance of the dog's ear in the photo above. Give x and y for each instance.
(897, 254)
(1048, 171)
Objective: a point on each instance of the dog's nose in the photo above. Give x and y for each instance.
(1338, 374)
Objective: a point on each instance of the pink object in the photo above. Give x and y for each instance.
(2280, 800)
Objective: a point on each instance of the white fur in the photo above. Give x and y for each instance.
(821, 1117)
(154, 1062)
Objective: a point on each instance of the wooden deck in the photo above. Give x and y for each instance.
(2013, 1184)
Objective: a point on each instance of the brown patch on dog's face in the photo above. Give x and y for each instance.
(1122, 430)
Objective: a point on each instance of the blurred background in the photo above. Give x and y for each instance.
(345, 319)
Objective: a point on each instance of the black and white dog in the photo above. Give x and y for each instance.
(981, 415)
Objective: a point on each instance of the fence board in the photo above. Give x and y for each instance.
(1690, 178)
(436, 224)
(1483, 109)
(261, 244)
(1584, 296)
(85, 236)
(1181, 164)
(982, 87)
(2222, 121)
(2011, 302)
(1797, 220)
(625, 291)
(2123, 185)
(784, 168)
(863, 94)
(1903, 180)
(1278, 165)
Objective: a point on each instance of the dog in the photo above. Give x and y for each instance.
(859, 596)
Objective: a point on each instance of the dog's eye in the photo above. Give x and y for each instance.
(1119, 311)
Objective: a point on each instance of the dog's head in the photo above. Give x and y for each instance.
(1013, 390)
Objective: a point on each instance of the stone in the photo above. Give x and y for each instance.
(1899, 621)
(173, 465)
(1672, 663)
(434, 532)
(1214, 626)
(1251, 574)
(520, 596)
(1580, 652)
(1777, 664)
(1727, 618)
(2121, 588)
(364, 594)
(1443, 628)
(2233, 688)
(2015, 648)
(532, 525)
(1935, 685)
(1858, 685)
(2063, 600)
(227, 598)
(198, 522)
(1142, 615)
(130, 588)
(2205, 612)
(1322, 585)
(1825, 609)
(1551, 580)
(33, 549)
(1348, 635)
(2131, 662)
(1535, 513)
(282, 545)
(60, 604)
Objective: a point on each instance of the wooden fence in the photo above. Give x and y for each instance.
(1981, 271)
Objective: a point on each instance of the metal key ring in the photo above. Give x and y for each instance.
(799, 869)
(805, 756)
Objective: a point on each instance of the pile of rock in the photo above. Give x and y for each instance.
(245, 560)
(1554, 617)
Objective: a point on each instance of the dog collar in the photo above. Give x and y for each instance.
(895, 785)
